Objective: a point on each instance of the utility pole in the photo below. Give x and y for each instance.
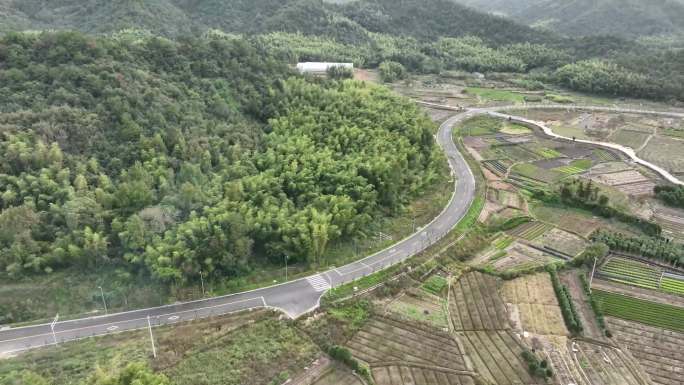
(149, 326)
(593, 269)
(286, 257)
(52, 327)
(104, 303)
(202, 280)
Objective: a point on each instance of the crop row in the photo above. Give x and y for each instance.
(569, 170)
(640, 274)
(531, 230)
(496, 166)
(502, 242)
(638, 310)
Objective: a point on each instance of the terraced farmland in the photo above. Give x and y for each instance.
(496, 355)
(496, 166)
(607, 365)
(530, 230)
(659, 351)
(391, 339)
(520, 256)
(640, 274)
(533, 172)
(419, 305)
(561, 242)
(398, 374)
(502, 242)
(645, 312)
(475, 303)
(604, 156)
(671, 220)
(336, 376)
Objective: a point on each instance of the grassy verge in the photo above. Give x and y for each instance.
(247, 348)
(490, 94)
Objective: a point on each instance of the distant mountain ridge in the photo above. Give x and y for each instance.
(625, 18)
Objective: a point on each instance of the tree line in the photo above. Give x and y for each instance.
(656, 248)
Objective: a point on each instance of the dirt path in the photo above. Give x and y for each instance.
(637, 292)
(586, 313)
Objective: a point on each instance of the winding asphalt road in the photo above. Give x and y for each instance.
(297, 297)
(294, 298)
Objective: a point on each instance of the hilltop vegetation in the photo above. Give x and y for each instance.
(426, 36)
(179, 157)
(626, 18)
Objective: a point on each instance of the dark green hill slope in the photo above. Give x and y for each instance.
(425, 19)
(627, 18)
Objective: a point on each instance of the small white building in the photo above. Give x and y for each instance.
(319, 68)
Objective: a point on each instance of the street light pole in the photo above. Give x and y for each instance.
(202, 280)
(52, 327)
(593, 269)
(149, 326)
(104, 303)
(286, 267)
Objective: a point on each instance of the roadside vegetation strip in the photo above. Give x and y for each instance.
(646, 312)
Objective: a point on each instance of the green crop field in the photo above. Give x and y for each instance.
(435, 284)
(495, 95)
(640, 274)
(646, 312)
(569, 170)
(531, 230)
(502, 242)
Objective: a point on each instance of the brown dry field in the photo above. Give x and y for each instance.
(521, 256)
(475, 303)
(419, 375)
(391, 339)
(336, 375)
(659, 351)
(563, 241)
(496, 356)
(534, 302)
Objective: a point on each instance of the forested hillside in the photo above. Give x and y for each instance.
(626, 18)
(175, 157)
(425, 36)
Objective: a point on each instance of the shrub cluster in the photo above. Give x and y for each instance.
(342, 354)
(537, 368)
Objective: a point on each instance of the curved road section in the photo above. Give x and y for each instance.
(294, 298)
(301, 296)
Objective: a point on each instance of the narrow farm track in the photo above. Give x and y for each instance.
(300, 296)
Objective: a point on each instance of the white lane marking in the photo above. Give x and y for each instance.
(205, 308)
(112, 328)
(318, 283)
(173, 318)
